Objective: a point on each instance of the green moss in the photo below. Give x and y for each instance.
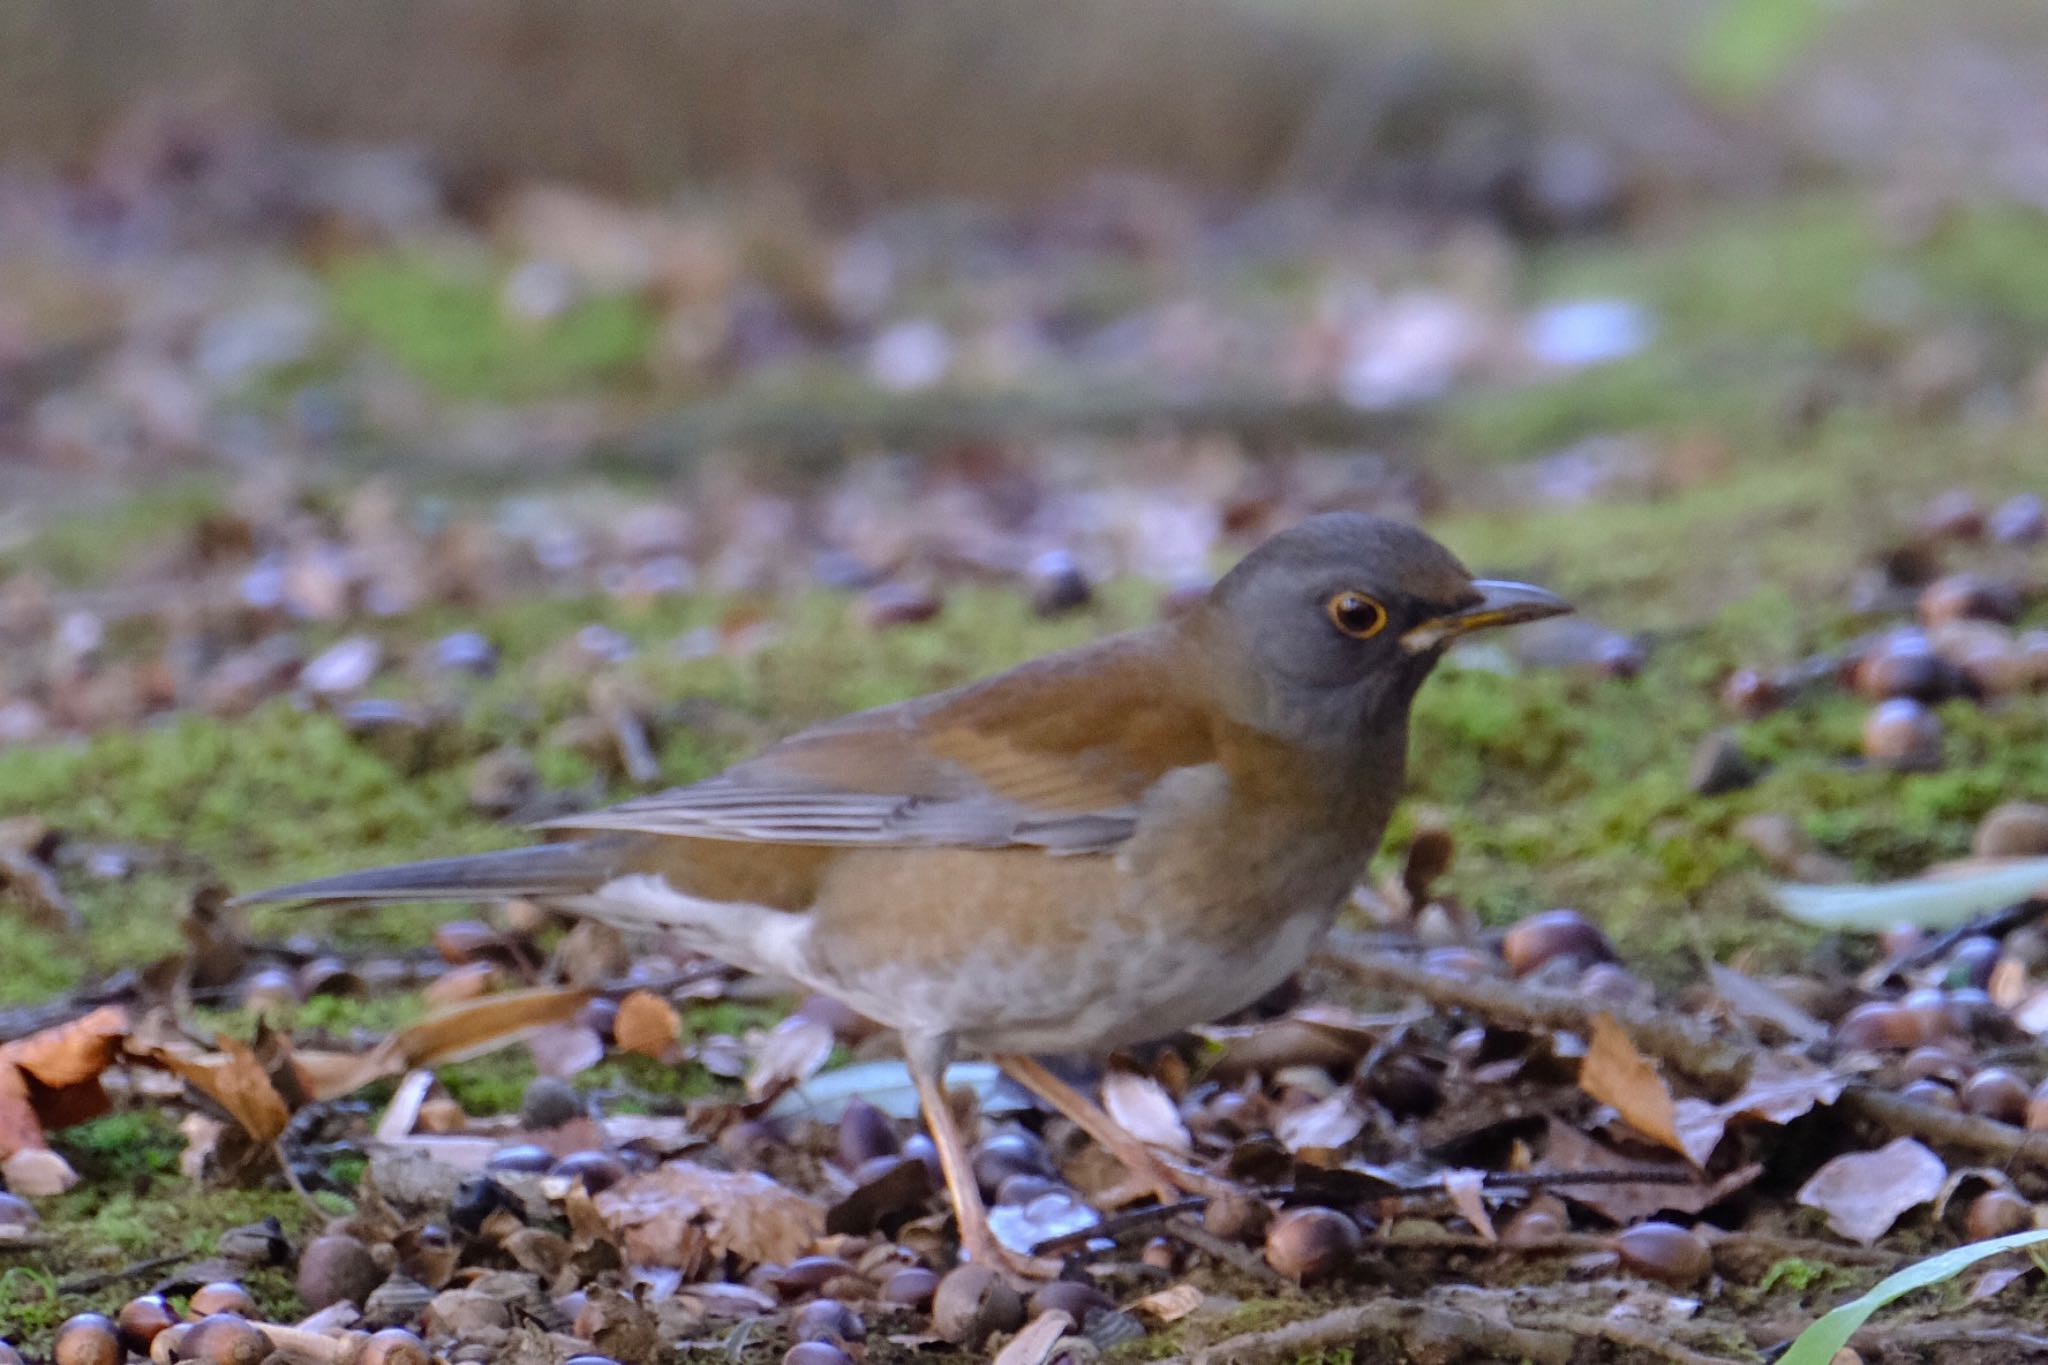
(125, 1148)
(94, 544)
(442, 320)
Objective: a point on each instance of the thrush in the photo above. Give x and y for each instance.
(1095, 849)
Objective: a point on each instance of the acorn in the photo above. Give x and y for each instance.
(599, 1015)
(1751, 694)
(1161, 1254)
(1953, 515)
(1971, 960)
(815, 1353)
(225, 1339)
(807, 1274)
(336, 1268)
(1931, 1063)
(1665, 1252)
(1553, 934)
(141, 1319)
(329, 976)
(1008, 1153)
(521, 1158)
(87, 1339)
(1534, 1224)
(1931, 1093)
(595, 1171)
(1878, 1024)
(1071, 1297)
(2017, 829)
(912, 1286)
(550, 1102)
(222, 1296)
(827, 1320)
(394, 1346)
(1968, 597)
(1236, 1216)
(2021, 519)
(1997, 1213)
(865, 1133)
(2037, 1108)
(1903, 734)
(271, 989)
(1904, 665)
(1309, 1245)
(1995, 1093)
(973, 1303)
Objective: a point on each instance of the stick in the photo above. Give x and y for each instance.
(2009, 1145)
(1675, 1041)
(1422, 1332)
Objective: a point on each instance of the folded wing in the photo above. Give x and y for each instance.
(1057, 754)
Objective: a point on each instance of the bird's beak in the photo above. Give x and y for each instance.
(1501, 603)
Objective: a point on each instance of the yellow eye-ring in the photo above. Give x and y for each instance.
(1357, 614)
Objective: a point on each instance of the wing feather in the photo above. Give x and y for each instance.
(1056, 754)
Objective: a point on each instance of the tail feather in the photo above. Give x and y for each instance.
(561, 869)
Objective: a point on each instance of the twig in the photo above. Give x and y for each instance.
(1117, 1225)
(1641, 1345)
(1421, 1331)
(291, 1177)
(1230, 1253)
(90, 1284)
(1988, 1137)
(1672, 1040)
(1991, 924)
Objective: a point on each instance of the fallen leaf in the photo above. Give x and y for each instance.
(1467, 1190)
(647, 1025)
(1781, 1088)
(795, 1050)
(1864, 1193)
(1170, 1304)
(1997, 1280)
(1033, 1345)
(1141, 1106)
(661, 1214)
(474, 1027)
(20, 1129)
(1329, 1123)
(565, 1050)
(1754, 1000)
(1566, 1149)
(1616, 1074)
(235, 1080)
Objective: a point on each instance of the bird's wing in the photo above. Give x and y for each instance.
(1056, 754)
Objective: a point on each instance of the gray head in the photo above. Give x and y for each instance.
(1333, 624)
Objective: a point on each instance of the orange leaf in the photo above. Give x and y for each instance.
(234, 1079)
(647, 1024)
(71, 1053)
(1615, 1073)
(20, 1130)
(478, 1026)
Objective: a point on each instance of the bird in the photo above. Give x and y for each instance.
(1095, 849)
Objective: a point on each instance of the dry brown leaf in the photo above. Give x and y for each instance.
(20, 1129)
(1141, 1106)
(1567, 1149)
(1467, 1190)
(1329, 1123)
(665, 1216)
(237, 1082)
(1170, 1304)
(474, 1027)
(51, 1079)
(647, 1025)
(1781, 1088)
(795, 1050)
(565, 1050)
(1864, 1193)
(1034, 1344)
(1616, 1074)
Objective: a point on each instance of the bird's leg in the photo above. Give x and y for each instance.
(1169, 1180)
(927, 1056)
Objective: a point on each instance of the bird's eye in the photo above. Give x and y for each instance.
(1357, 614)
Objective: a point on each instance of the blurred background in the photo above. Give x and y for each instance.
(413, 414)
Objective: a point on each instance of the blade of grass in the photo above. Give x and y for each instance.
(1817, 1344)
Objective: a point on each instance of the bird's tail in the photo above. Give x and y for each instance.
(544, 870)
